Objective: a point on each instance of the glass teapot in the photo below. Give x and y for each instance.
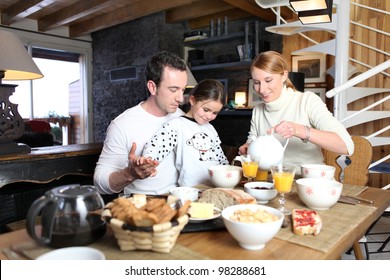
(71, 216)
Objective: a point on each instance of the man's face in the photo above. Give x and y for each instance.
(169, 94)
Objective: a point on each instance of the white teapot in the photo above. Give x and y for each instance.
(266, 150)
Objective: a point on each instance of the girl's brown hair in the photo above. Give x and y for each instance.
(209, 89)
(272, 62)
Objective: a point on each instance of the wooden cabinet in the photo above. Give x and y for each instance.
(26, 177)
(46, 164)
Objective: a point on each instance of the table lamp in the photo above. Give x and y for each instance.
(240, 99)
(15, 64)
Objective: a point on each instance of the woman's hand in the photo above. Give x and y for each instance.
(285, 129)
(243, 150)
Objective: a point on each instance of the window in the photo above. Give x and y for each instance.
(50, 95)
(65, 88)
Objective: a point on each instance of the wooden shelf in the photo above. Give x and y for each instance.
(229, 65)
(238, 112)
(215, 39)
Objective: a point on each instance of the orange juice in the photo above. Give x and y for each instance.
(283, 182)
(250, 169)
(262, 175)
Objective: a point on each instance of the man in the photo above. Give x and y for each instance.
(119, 166)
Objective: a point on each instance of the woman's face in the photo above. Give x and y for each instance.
(268, 86)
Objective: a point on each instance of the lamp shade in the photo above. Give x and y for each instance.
(240, 98)
(191, 82)
(317, 16)
(308, 5)
(15, 61)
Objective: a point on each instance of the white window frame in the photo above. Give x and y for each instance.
(80, 46)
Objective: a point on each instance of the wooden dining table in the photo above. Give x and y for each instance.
(220, 245)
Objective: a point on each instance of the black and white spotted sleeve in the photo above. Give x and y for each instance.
(162, 143)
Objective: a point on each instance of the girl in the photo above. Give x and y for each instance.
(191, 137)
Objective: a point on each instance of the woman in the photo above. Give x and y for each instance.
(300, 116)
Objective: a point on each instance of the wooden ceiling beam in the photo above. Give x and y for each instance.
(22, 9)
(252, 8)
(195, 10)
(77, 11)
(124, 14)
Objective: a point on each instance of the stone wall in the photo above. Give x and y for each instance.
(126, 45)
(133, 43)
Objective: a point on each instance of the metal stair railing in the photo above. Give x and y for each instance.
(344, 87)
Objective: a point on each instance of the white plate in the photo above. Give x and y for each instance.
(201, 220)
(73, 253)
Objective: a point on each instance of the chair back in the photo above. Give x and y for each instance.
(356, 172)
(39, 126)
(230, 152)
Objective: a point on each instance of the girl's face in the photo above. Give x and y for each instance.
(268, 86)
(204, 111)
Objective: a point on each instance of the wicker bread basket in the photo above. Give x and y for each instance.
(159, 238)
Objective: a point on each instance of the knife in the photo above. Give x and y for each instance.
(348, 200)
(358, 198)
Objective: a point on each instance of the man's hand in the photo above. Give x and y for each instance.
(140, 167)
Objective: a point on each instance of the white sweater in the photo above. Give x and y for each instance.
(196, 147)
(134, 125)
(302, 108)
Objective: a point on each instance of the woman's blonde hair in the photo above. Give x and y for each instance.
(272, 62)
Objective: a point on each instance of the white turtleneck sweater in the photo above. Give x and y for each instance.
(304, 108)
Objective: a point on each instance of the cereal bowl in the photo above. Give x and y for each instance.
(252, 236)
(262, 191)
(318, 193)
(186, 193)
(225, 176)
(317, 171)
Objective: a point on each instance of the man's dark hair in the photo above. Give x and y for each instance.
(155, 66)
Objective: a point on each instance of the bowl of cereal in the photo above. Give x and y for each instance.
(252, 225)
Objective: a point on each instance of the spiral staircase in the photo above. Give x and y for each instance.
(354, 78)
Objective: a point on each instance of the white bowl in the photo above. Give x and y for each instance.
(73, 253)
(318, 193)
(317, 171)
(262, 191)
(252, 236)
(186, 193)
(225, 176)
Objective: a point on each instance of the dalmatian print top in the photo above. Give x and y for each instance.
(196, 147)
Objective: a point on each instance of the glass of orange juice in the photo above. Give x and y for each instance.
(262, 175)
(283, 176)
(249, 167)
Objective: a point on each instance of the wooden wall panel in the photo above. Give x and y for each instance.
(366, 56)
